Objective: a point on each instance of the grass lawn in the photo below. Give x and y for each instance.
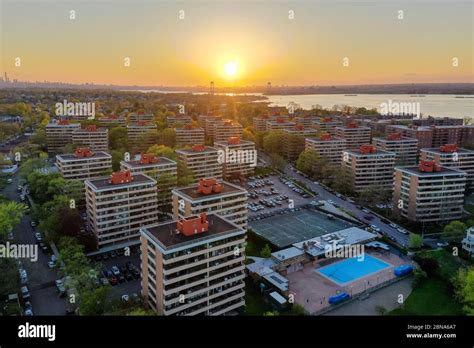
(430, 297)
(254, 302)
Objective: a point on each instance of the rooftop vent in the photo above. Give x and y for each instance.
(234, 140)
(429, 167)
(83, 152)
(193, 225)
(394, 136)
(367, 148)
(63, 122)
(121, 177)
(208, 186)
(325, 136)
(91, 128)
(198, 148)
(148, 158)
(449, 148)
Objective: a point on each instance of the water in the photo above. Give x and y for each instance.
(439, 105)
(352, 269)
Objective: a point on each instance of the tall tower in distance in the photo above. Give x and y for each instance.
(211, 88)
(269, 87)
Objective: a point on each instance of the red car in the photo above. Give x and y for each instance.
(113, 280)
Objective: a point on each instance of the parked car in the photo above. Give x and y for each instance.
(38, 236)
(10, 180)
(25, 293)
(366, 211)
(33, 224)
(28, 312)
(375, 228)
(402, 230)
(51, 264)
(23, 277)
(60, 287)
(113, 280)
(442, 244)
(121, 278)
(125, 298)
(393, 225)
(115, 270)
(128, 275)
(10, 236)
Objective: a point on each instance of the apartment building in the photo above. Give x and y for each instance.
(424, 135)
(260, 123)
(429, 192)
(295, 141)
(112, 121)
(161, 169)
(118, 206)
(137, 135)
(210, 195)
(355, 135)
(189, 135)
(178, 121)
(370, 168)
(451, 156)
(305, 120)
(59, 134)
(238, 157)
(84, 164)
(140, 117)
(96, 139)
(202, 161)
(226, 129)
(438, 121)
(468, 242)
(328, 147)
(327, 125)
(209, 123)
(279, 124)
(405, 149)
(443, 135)
(193, 266)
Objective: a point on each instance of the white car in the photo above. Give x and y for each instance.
(125, 298)
(375, 228)
(330, 201)
(442, 244)
(51, 264)
(393, 225)
(9, 181)
(366, 211)
(402, 230)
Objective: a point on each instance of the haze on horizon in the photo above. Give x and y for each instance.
(237, 43)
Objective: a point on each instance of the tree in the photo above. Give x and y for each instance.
(9, 279)
(455, 230)
(94, 302)
(72, 255)
(343, 181)
(162, 151)
(10, 216)
(277, 161)
(118, 138)
(273, 142)
(464, 285)
(266, 252)
(140, 312)
(168, 137)
(297, 310)
(185, 175)
(415, 241)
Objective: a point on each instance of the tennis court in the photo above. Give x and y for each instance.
(284, 230)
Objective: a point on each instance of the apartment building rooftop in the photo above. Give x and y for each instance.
(429, 168)
(119, 180)
(169, 235)
(368, 150)
(83, 153)
(208, 188)
(146, 161)
(447, 149)
(196, 149)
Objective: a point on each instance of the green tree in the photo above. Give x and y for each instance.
(266, 252)
(277, 161)
(141, 312)
(9, 279)
(273, 142)
(464, 285)
(94, 302)
(118, 138)
(168, 137)
(455, 230)
(415, 241)
(10, 216)
(162, 151)
(185, 175)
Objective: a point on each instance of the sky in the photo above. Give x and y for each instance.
(188, 43)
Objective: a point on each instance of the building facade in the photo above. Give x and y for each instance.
(202, 161)
(406, 149)
(84, 164)
(238, 157)
(96, 139)
(328, 147)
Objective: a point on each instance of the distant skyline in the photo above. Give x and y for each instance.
(237, 43)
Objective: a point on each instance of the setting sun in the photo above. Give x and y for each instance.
(230, 68)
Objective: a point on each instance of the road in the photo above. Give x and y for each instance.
(400, 238)
(44, 298)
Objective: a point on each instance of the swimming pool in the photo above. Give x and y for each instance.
(351, 269)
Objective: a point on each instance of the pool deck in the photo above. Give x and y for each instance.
(312, 290)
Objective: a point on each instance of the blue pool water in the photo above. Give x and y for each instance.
(351, 269)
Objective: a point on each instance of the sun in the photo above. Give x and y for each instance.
(230, 68)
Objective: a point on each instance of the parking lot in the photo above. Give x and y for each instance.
(269, 195)
(122, 272)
